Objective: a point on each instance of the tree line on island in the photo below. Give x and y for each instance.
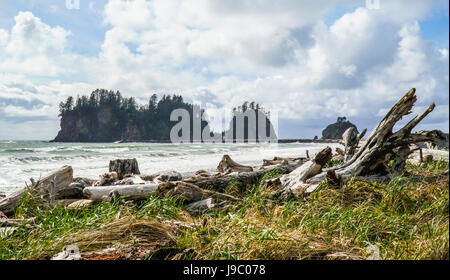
(107, 116)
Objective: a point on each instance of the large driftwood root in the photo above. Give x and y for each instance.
(384, 145)
(375, 153)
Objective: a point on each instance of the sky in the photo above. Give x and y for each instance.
(308, 62)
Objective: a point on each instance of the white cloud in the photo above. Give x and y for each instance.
(3, 37)
(221, 53)
(35, 48)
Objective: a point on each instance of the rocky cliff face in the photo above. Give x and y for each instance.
(335, 130)
(102, 126)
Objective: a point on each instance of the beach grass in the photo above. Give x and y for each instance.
(405, 219)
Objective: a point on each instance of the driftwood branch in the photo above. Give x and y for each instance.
(295, 182)
(55, 181)
(124, 166)
(227, 165)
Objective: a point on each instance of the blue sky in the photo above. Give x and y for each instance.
(311, 61)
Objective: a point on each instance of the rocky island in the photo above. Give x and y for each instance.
(106, 116)
(337, 129)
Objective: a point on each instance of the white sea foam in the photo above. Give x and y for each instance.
(20, 161)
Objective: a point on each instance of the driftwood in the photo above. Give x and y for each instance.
(351, 139)
(131, 180)
(132, 192)
(48, 187)
(72, 191)
(123, 167)
(16, 222)
(205, 205)
(163, 176)
(64, 202)
(82, 203)
(227, 165)
(340, 152)
(295, 182)
(219, 182)
(69, 253)
(382, 146)
(107, 179)
(191, 193)
(280, 160)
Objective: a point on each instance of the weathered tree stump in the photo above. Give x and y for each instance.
(123, 167)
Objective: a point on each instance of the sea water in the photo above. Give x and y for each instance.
(22, 160)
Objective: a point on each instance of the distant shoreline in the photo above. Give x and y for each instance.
(282, 141)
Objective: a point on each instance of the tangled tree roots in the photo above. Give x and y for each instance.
(382, 146)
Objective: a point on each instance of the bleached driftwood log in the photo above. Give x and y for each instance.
(133, 192)
(295, 182)
(47, 187)
(190, 192)
(124, 166)
(72, 191)
(82, 203)
(227, 165)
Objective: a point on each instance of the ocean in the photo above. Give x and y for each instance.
(22, 160)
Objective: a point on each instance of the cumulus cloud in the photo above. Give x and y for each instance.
(33, 47)
(221, 53)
